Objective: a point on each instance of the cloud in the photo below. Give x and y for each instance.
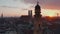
(47, 4)
(8, 7)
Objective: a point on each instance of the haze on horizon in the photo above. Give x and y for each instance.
(21, 7)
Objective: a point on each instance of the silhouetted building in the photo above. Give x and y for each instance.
(2, 15)
(37, 11)
(30, 13)
(39, 26)
(37, 18)
(25, 18)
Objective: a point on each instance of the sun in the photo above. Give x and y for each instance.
(49, 13)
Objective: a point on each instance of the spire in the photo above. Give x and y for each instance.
(2, 15)
(37, 2)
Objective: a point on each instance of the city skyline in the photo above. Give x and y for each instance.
(21, 7)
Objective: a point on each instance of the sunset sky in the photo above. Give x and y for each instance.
(20, 7)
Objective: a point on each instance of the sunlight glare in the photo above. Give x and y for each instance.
(49, 13)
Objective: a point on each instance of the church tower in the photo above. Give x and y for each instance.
(37, 19)
(37, 10)
(39, 26)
